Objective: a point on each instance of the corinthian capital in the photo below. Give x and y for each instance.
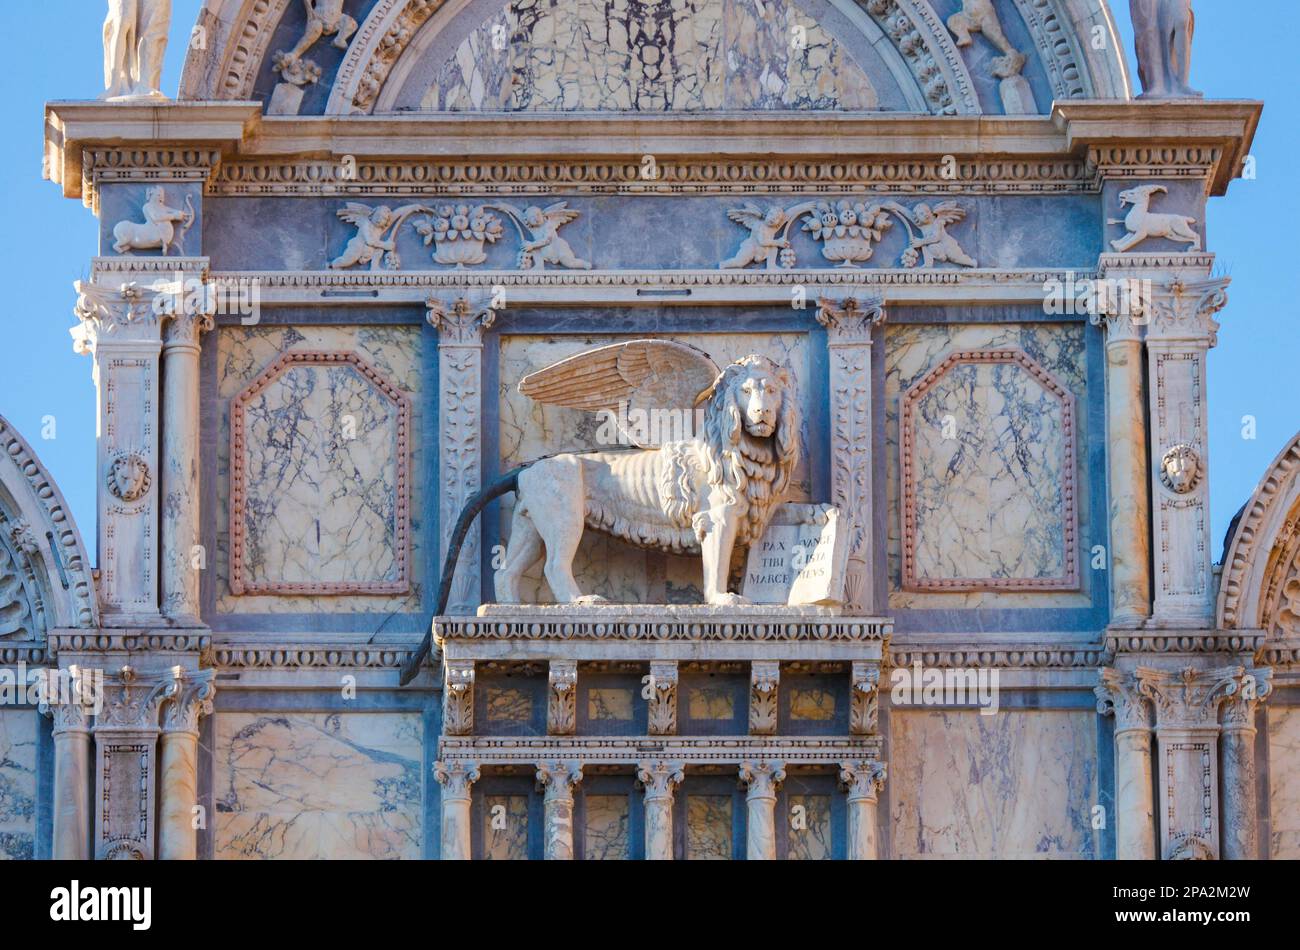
(460, 323)
(558, 778)
(1254, 687)
(1120, 695)
(850, 320)
(762, 779)
(1183, 310)
(660, 778)
(456, 778)
(863, 778)
(1189, 698)
(127, 314)
(188, 697)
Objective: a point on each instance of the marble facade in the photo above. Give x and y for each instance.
(376, 234)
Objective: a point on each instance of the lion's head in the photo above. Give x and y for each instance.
(751, 436)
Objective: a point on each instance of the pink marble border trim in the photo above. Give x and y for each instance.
(239, 487)
(1070, 579)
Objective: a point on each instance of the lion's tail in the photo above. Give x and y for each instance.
(506, 483)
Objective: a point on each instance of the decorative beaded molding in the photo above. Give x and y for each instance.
(1281, 653)
(101, 166)
(1126, 162)
(41, 502)
(291, 656)
(1240, 641)
(732, 629)
(128, 641)
(1247, 544)
(629, 750)
(239, 483)
(1069, 656)
(29, 654)
(974, 175)
(1067, 581)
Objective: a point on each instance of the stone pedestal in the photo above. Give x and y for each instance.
(762, 780)
(557, 781)
(863, 781)
(456, 779)
(660, 780)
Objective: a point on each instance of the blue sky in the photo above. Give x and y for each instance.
(1244, 50)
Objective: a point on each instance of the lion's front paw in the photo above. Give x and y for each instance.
(728, 600)
(589, 600)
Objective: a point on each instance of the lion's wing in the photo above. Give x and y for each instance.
(641, 375)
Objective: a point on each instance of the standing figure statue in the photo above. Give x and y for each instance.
(135, 40)
(1163, 29)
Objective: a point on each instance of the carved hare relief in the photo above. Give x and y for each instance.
(706, 495)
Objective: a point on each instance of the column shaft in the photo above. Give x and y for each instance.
(179, 533)
(178, 797)
(71, 795)
(1135, 829)
(1130, 508)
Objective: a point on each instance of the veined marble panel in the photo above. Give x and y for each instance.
(529, 430)
(1284, 781)
(973, 527)
(297, 514)
(708, 827)
(505, 828)
(664, 55)
(18, 784)
(605, 835)
(1014, 785)
(809, 823)
(310, 786)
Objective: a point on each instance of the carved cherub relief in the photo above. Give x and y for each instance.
(765, 241)
(544, 244)
(375, 243)
(933, 241)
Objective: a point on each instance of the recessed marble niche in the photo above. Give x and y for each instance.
(329, 490)
(310, 785)
(1009, 786)
(666, 55)
(529, 430)
(1284, 781)
(991, 443)
(17, 784)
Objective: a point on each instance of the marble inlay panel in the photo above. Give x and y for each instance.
(912, 351)
(243, 353)
(18, 784)
(708, 827)
(507, 704)
(529, 430)
(605, 834)
(320, 497)
(1013, 785)
(308, 786)
(988, 476)
(810, 828)
(811, 703)
(664, 55)
(710, 702)
(1284, 781)
(609, 703)
(505, 828)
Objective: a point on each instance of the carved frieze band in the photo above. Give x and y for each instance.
(909, 420)
(400, 581)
